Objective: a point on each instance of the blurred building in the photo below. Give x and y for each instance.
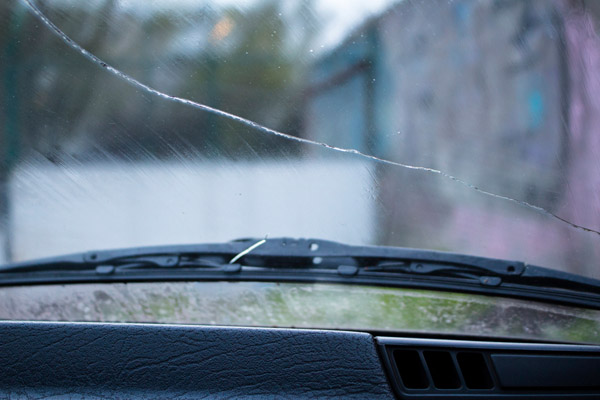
(501, 94)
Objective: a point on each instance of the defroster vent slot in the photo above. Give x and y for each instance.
(475, 371)
(442, 369)
(411, 369)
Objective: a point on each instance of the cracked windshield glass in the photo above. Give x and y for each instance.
(463, 126)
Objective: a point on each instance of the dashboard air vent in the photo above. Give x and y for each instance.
(411, 369)
(442, 370)
(437, 369)
(474, 370)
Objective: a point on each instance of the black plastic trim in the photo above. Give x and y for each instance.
(368, 265)
(524, 371)
(546, 295)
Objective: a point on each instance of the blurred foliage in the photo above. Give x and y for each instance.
(246, 61)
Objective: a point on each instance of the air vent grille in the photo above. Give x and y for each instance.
(443, 370)
(411, 369)
(435, 369)
(474, 370)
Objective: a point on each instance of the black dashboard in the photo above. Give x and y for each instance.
(99, 360)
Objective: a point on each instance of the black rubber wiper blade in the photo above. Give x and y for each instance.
(540, 276)
(272, 251)
(155, 256)
(427, 267)
(312, 260)
(513, 273)
(299, 253)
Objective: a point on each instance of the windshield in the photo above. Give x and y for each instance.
(463, 126)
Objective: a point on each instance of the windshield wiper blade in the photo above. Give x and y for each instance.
(281, 250)
(515, 273)
(204, 255)
(312, 260)
(110, 265)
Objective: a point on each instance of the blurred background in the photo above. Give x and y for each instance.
(502, 94)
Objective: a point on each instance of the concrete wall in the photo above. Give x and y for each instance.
(70, 208)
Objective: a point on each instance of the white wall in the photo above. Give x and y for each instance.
(3, 255)
(62, 209)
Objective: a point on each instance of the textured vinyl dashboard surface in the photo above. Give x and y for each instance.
(95, 360)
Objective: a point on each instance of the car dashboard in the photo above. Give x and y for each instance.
(124, 360)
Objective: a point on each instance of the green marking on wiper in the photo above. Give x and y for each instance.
(248, 250)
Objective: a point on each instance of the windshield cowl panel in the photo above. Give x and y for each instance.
(326, 306)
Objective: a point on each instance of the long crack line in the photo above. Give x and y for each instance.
(134, 82)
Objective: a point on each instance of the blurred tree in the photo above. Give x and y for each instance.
(245, 61)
